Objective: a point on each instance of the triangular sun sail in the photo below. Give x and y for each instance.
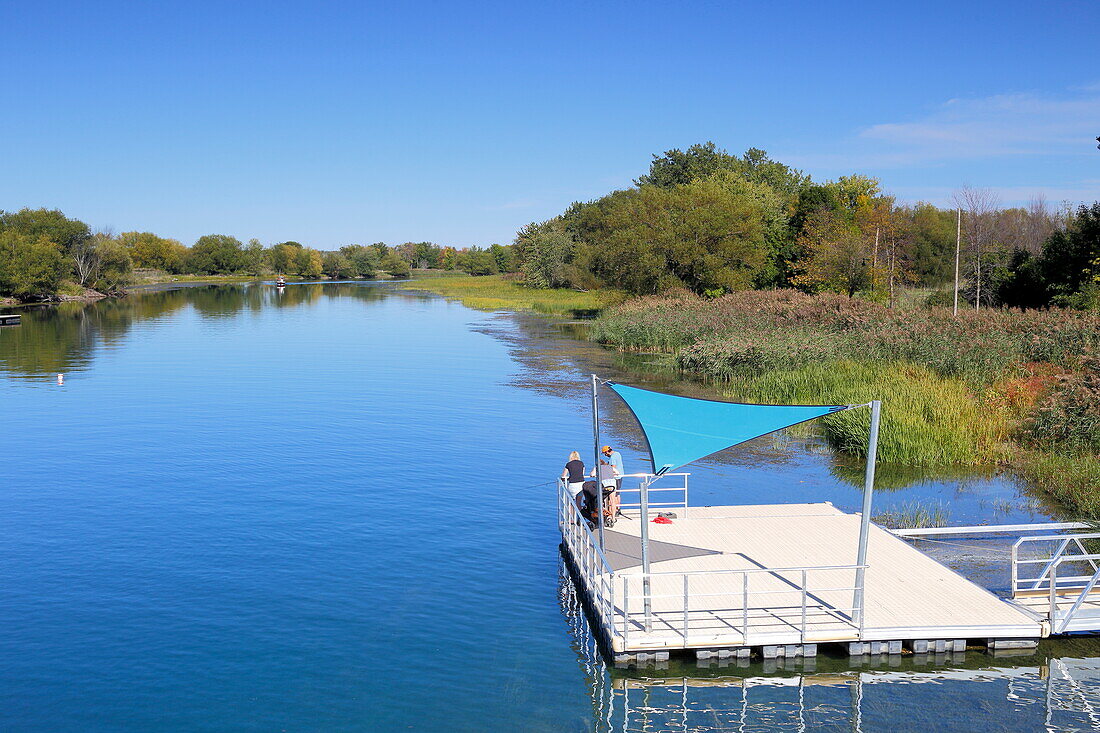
(680, 430)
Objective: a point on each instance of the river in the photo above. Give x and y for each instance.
(332, 508)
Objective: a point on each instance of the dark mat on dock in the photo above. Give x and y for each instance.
(625, 551)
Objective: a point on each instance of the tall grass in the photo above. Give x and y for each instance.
(927, 419)
(775, 329)
(496, 292)
(1070, 479)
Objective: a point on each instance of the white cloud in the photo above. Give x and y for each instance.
(1004, 124)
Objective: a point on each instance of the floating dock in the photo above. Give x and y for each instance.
(779, 579)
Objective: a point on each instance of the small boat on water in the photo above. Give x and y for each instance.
(280, 282)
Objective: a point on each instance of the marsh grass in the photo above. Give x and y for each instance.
(495, 292)
(1070, 479)
(913, 514)
(927, 420)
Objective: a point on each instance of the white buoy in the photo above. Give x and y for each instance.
(61, 379)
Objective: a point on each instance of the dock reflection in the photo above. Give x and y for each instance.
(1056, 688)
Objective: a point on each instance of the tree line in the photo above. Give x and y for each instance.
(44, 253)
(713, 222)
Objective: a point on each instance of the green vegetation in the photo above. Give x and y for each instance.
(45, 255)
(914, 514)
(1018, 388)
(714, 223)
(496, 292)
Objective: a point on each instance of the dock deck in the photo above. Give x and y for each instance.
(734, 577)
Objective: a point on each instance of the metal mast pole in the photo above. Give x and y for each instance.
(865, 518)
(596, 453)
(958, 243)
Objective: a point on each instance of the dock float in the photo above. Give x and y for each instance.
(777, 580)
(10, 319)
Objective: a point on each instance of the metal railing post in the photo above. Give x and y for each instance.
(686, 577)
(1015, 569)
(1053, 592)
(745, 607)
(626, 609)
(803, 636)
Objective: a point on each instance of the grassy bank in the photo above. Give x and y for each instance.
(495, 292)
(994, 387)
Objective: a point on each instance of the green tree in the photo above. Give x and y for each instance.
(477, 261)
(505, 258)
(284, 258)
(253, 257)
(1070, 261)
(66, 233)
(394, 264)
(310, 264)
(425, 255)
(216, 254)
(364, 261)
(30, 266)
(836, 254)
(149, 251)
(544, 250)
(337, 265)
(113, 266)
(707, 235)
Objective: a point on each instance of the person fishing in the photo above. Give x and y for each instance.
(615, 459)
(574, 477)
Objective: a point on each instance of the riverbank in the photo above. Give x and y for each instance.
(1018, 390)
(499, 292)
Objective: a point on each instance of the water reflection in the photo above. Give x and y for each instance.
(1056, 688)
(66, 337)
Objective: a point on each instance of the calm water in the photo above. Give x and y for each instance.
(331, 509)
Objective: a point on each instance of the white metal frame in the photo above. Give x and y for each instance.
(614, 596)
(1053, 551)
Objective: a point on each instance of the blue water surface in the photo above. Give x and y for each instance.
(327, 509)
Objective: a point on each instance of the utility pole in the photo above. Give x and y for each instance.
(958, 242)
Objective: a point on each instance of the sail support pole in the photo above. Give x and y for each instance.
(596, 454)
(865, 517)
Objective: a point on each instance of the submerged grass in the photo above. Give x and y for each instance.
(911, 515)
(495, 292)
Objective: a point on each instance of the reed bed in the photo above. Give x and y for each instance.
(498, 292)
(983, 388)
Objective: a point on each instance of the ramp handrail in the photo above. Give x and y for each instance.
(1066, 549)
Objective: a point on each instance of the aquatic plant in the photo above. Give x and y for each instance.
(914, 514)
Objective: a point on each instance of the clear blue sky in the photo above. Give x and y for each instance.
(331, 123)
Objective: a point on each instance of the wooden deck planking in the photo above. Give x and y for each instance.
(909, 595)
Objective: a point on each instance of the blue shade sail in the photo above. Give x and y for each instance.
(680, 430)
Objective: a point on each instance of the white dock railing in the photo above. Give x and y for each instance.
(1039, 572)
(742, 607)
(667, 491)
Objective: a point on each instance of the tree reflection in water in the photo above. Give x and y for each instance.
(64, 338)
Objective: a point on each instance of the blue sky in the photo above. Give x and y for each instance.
(331, 123)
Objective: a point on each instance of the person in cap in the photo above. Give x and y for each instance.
(615, 459)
